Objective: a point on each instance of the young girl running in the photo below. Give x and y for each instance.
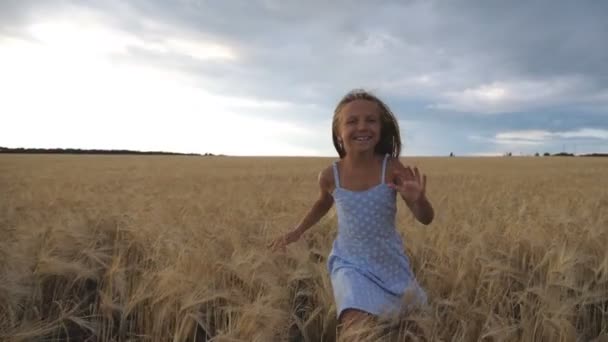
(369, 271)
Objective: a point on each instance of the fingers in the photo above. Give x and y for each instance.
(398, 176)
(279, 244)
(272, 243)
(423, 183)
(403, 175)
(417, 175)
(276, 244)
(409, 175)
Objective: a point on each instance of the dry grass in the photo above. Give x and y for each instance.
(173, 248)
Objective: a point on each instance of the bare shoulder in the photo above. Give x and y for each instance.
(326, 179)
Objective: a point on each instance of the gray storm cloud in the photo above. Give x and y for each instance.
(435, 58)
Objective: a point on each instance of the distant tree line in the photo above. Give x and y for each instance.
(594, 155)
(21, 150)
(561, 154)
(565, 154)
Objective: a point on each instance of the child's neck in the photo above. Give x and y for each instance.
(354, 160)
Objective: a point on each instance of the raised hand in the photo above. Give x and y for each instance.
(410, 184)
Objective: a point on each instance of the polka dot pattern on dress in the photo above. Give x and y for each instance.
(368, 266)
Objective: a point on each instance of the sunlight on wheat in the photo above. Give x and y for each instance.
(174, 248)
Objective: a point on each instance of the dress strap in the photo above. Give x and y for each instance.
(336, 176)
(384, 167)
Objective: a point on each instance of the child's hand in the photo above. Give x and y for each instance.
(409, 184)
(281, 242)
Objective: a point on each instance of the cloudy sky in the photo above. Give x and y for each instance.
(245, 77)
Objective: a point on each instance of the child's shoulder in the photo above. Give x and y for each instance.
(326, 178)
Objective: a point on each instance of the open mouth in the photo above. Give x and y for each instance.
(366, 138)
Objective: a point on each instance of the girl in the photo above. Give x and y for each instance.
(369, 270)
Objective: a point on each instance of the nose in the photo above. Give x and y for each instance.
(361, 125)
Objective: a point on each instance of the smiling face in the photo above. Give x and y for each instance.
(359, 126)
(362, 122)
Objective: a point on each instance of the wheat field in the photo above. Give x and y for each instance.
(150, 248)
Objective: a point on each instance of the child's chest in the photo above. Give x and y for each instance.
(360, 180)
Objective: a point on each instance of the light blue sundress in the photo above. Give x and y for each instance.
(368, 267)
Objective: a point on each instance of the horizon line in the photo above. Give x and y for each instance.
(89, 151)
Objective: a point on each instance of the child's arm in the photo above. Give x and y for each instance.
(422, 209)
(412, 188)
(321, 206)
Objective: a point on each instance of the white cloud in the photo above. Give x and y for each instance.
(85, 35)
(584, 140)
(585, 133)
(517, 142)
(485, 154)
(57, 96)
(373, 42)
(511, 96)
(527, 135)
(539, 136)
(529, 141)
(200, 50)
